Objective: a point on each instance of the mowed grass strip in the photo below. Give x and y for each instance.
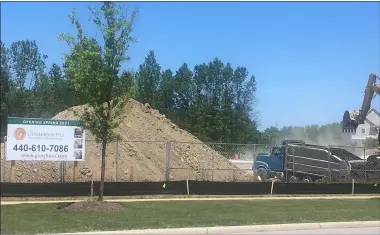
(47, 218)
(4, 199)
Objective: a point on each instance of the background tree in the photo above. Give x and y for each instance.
(182, 99)
(165, 93)
(27, 66)
(213, 101)
(5, 77)
(95, 73)
(147, 80)
(62, 91)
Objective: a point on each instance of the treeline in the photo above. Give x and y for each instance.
(330, 134)
(28, 87)
(212, 101)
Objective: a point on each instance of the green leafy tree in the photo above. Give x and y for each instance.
(95, 73)
(269, 136)
(27, 67)
(28, 63)
(165, 93)
(214, 102)
(183, 96)
(62, 92)
(42, 96)
(5, 77)
(147, 80)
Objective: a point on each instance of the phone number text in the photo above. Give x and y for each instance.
(41, 148)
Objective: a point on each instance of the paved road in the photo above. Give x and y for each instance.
(364, 230)
(360, 231)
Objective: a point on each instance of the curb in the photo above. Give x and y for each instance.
(200, 199)
(244, 229)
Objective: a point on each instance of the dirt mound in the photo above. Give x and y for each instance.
(94, 206)
(142, 154)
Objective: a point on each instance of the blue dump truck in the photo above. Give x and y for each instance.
(295, 161)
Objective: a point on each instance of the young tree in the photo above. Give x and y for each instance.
(95, 73)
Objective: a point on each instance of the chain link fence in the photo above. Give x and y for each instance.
(214, 161)
(139, 161)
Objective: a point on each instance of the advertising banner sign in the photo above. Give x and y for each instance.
(34, 139)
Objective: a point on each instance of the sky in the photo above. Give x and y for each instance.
(311, 60)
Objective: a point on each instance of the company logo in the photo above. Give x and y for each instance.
(44, 135)
(19, 133)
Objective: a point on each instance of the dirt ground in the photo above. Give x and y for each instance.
(142, 154)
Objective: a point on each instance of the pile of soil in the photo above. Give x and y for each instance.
(94, 206)
(142, 154)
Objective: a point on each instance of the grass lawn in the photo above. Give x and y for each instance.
(173, 196)
(47, 218)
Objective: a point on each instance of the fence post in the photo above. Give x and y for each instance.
(92, 187)
(74, 171)
(4, 160)
(353, 187)
(213, 165)
(187, 187)
(61, 171)
(254, 162)
(365, 165)
(117, 161)
(286, 163)
(168, 158)
(293, 161)
(13, 164)
(329, 164)
(271, 188)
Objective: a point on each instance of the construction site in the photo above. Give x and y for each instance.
(152, 148)
(142, 154)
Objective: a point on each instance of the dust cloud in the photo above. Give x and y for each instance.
(324, 138)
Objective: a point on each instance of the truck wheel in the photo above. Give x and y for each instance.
(263, 173)
(319, 181)
(293, 179)
(307, 179)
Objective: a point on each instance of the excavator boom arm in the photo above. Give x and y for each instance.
(353, 118)
(369, 92)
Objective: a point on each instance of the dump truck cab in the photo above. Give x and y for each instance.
(275, 160)
(269, 165)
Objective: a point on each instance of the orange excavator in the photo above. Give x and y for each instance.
(353, 118)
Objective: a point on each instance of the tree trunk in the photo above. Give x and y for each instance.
(103, 171)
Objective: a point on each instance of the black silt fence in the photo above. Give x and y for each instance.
(178, 188)
(84, 189)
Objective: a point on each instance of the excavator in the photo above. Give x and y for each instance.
(353, 118)
(266, 165)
